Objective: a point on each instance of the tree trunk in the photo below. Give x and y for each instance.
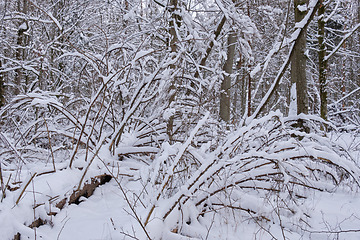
(226, 83)
(21, 43)
(322, 62)
(2, 90)
(174, 23)
(298, 61)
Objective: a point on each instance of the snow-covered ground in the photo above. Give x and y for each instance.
(118, 209)
(106, 214)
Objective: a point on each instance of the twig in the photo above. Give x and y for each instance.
(128, 235)
(211, 224)
(62, 228)
(2, 184)
(22, 192)
(333, 232)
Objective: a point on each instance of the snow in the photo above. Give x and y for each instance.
(293, 101)
(262, 179)
(168, 113)
(335, 212)
(96, 218)
(142, 53)
(107, 215)
(23, 26)
(302, 8)
(129, 15)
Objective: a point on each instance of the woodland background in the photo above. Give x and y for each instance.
(200, 114)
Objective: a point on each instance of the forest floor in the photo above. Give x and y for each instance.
(104, 213)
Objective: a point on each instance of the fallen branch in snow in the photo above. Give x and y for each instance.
(334, 232)
(37, 223)
(89, 188)
(337, 232)
(17, 236)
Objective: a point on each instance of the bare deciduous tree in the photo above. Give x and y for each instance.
(298, 60)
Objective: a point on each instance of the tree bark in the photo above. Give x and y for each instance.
(21, 43)
(322, 61)
(174, 23)
(298, 61)
(226, 83)
(2, 90)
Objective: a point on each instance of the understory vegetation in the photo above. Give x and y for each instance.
(137, 99)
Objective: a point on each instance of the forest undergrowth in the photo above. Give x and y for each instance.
(261, 174)
(179, 119)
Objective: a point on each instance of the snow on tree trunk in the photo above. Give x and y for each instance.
(226, 83)
(298, 61)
